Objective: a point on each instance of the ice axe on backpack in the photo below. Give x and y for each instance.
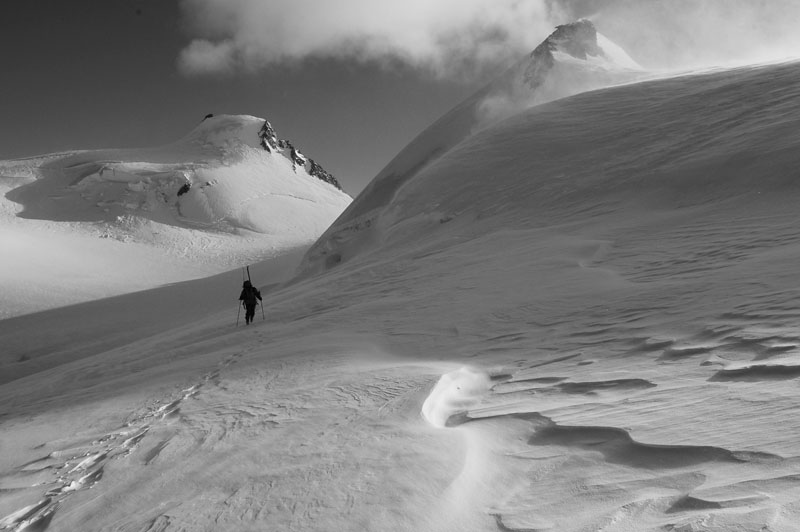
(239, 311)
(261, 304)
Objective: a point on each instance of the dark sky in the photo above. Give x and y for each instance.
(103, 74)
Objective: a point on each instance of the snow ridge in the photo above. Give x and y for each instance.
(573, 59)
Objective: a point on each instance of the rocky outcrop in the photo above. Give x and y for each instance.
(317, 171)
(269, 141)
(578, 39)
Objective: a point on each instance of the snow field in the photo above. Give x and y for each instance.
(593, 406)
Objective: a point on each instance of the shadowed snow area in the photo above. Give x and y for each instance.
(573, 59)
(117, 221)
(581, 318)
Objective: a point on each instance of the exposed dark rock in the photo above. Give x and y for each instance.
(269, 140)
(578, 39)
(298, 159)
(271, 143)
(317, 171)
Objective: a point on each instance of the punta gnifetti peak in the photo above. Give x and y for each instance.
(577, 39)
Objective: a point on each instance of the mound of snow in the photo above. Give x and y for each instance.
(453, 394)
(515, 173)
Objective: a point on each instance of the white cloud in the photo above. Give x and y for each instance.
(460, 37)
(688, 33)
(206, 57)
(443, 36)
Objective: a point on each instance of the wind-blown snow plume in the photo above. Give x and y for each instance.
(696, 33)
(573, 59)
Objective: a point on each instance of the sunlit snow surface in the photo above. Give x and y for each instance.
(583, 318)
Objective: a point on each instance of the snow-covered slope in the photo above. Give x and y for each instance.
(573, 59)
(229, 173)
(582, 318)
(228, 193)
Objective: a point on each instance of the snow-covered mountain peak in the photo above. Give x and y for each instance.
(573, 59)
(229, 136)
(578, 39)
(223, 167)
(575, 41)
(225, 132)
(229, 192)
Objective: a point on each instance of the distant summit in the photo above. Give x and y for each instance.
(574, 58)
(229, 173)
(578, 39)
(268, 139)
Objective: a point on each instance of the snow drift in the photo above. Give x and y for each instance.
(573, 59)
(228, 193)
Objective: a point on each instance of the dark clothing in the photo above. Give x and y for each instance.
(249, 297)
